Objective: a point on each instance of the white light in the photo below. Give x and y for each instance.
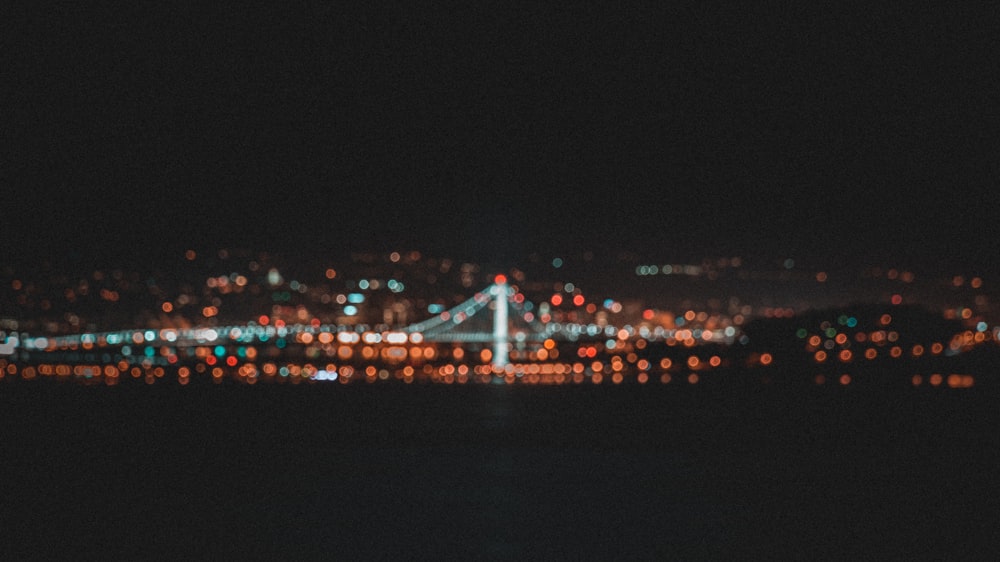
(397, 337)
(348, 337)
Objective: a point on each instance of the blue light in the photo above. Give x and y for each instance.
(324, 375)
(355, 298)
(350, 310)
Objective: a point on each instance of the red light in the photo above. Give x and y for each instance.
(578, 300)
(556, 300)
(500, 279)
(897, 299)
(647, 314)
(263, 320)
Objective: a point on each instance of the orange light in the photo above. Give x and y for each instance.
(167, 307)
(765, 359)
(845, 379)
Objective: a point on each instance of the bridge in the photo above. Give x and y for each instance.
(509, 319)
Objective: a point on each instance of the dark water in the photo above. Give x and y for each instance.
(489, 472)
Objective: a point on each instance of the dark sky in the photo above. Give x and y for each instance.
(499, 129)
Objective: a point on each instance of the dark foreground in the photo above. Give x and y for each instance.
(492, 472)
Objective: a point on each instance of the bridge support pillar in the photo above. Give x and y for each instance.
(500, 336)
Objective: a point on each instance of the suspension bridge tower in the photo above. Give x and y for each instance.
(500, 323)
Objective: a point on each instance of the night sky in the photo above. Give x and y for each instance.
(497, 130)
